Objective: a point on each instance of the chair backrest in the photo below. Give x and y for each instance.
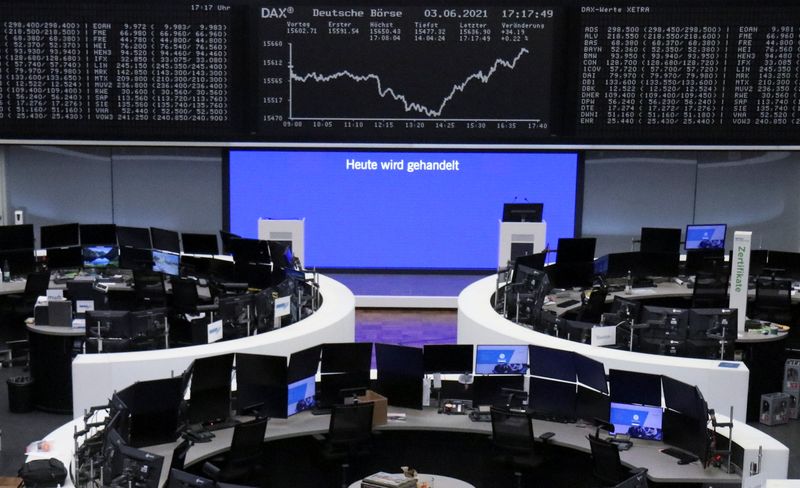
(710, 290)
(351, 424)
(246, 442)
(593, 309)
(184, 295)
(606, 463)
(149, 286)
(774, 292)
(36, 284)
(512, 431)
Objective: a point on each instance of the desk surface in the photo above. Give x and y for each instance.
(433, 480)
(56, 331)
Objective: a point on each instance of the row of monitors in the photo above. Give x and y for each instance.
(677, 323)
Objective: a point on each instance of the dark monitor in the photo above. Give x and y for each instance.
(264, 306)
(686, 432)
(64, 257)
(236, 310)
(256, 275)
(98, 234)
(305, 363)
(182, 479)
(787, 262)
(448, 358)
(346, 357)
(62, 235)
(713, 323)
(665, 322)
(21, 262)
(148, 323)
(112, 460)
(225, 238)
(165, 240)
(659, 264)
(579, 331)
(552, 363)
(626, 309)
(134, 237)
(553, 398)
(634, 387)
(575, 250)
(195, 266)
(758, 261)
(135, 259)
(100, 257)
(335, 387)
(281, 254)
(619, 264)
(660, 240)
(141, 468)
(222, 270)
(107, 323)
(591, 373)
(572, 275)
(711, 236)
(400, 372)
(199, 243)
(210, 389)
(683, 398)
(523, 266)
(488, 390)
(154, 408)
(709, 260)
(591, 404)
(16, 237)
(501, 359)
(522, 212)
(166, 262)
(249, 250)
(639, 421)
(261, 385)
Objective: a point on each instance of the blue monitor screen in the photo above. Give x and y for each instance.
(301, 395)
(424, 210)
(705, 236)
(100, 256)
(501, 359)
(642, 422)
(167, 263)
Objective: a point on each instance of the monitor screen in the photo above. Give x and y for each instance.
(591, 404)
(165, 240)
(634, 387)
(553, 398)
(683, 398)
(686, 432)
(448, 358)
(302, 395)
(134, 258)
(346, 357)
(199, 243)
(62, 235)
(626, 309)
(407, 194)
(167, 263)
(400, 372)
(100, 256)
(705, 236)
(522, 212)
(20, 261)
(488, 390)
(305, 363)
(141, 468)
(639, 421)
(547, 362)
(134, 237)
(664, 322)
(660, 240)
(261, 385)
(210, 400)
(591, 373)
(713, 323)
(510, 359)
(16, 237)
(98, 234)
(578, 250)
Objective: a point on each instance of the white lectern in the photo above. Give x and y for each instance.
(289, 231)
(522, 237)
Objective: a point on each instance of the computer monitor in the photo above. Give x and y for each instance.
(95, 257)
(62, 235)
(135, 259)
(236, 311)
(448, 358)
(522, 212)
(687, 432)
(552, 363)
(346, 357)
(708, 260)
(659, 264)
(665, 322)
(713, 323)
(112, 460)
(626, 309)
(683, 398)
(639, 421)
(787, 262)
(591, 373)
(98, 234)
(154, 409)
(149, 324)
(575, 250)
(134, 237)
(199, 243)
(165, 240)
(107, 323)
(141, 468)
(335, 387)
(210, 389)
(634, 387)
(710, 236)
(660, 240)
(264, 306)
(166, 262)
(225, 238)
(488, 390)
(64, 257)
(758, 261)
(281, 253)
(501, 359)
(579, 331)
(16, 237)
(249, 250)
(261, 385)
(400, 372)
(301, 396)
(21, 262)
(554, 399)
(305, 363)
(619, 264)
(182, 479)
(591, 404)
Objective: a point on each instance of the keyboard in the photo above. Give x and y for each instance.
(567, 303)
(681, 456)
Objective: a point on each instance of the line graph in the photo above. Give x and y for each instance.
(387, 91)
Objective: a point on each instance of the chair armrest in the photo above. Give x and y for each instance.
(545, 437)
(211, 470)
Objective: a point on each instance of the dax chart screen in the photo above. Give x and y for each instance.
(435, 72)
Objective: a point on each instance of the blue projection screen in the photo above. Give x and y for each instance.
(411, 210)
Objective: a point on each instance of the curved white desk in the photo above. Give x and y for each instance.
(722, 387)
(96, 376)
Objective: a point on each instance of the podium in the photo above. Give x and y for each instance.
(290, 232)
(520, 238)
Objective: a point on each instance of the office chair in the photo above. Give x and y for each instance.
(149, 288)
(593, 308)
(606, 464)
(773, 300)
(244, 458)
(36, 285)
(22, 305)
(185, 299)
(349, 435)
(710, 290)
(513, 442)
